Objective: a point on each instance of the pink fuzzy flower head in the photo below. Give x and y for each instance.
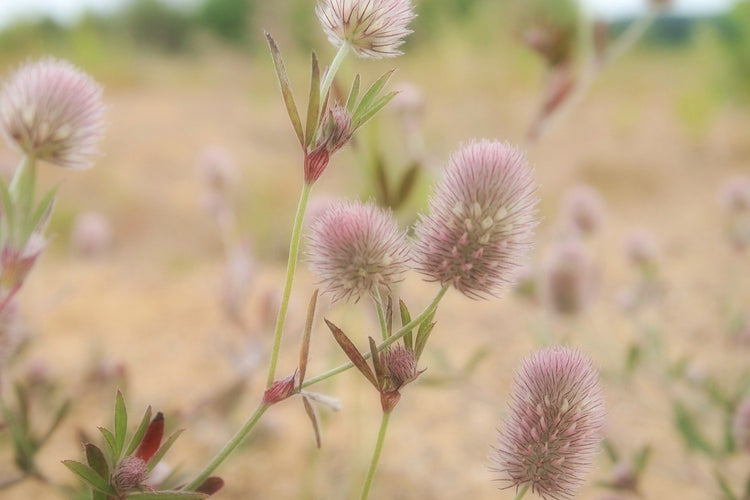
(555, 423)
(481, 220)
(583, 209)
(400, 364)
(570, 279)
(356, 249)
(742, 425)
(53, 111)
(129, 473)
(372, 28)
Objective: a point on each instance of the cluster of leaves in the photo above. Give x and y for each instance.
(103, 468)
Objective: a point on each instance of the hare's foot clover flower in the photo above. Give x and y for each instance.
(52, 111)
(372, 28)
(556, 422)
(481, 220)
(356, 249)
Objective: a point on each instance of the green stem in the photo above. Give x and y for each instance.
(393, 338)
(228, 448)
(376, 455)
(291, 266)
(332, 70)
(21, 191)
(381, 315)
(523, 491)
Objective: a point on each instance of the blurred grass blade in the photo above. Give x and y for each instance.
(726, 490)
(42, 212)
(139, 433)
(7, 207)
(685, 424)
(313, 104)
(60, 415)
(352, 353)
(610, 451)
(96, 460)
(286, 88)
(642, 458)
(305, 347)
(90, 476)
(163, 449)
(405, 320)
(121, 422)
(405, 187)
(313, 419)
(381, 181)
(353, 94)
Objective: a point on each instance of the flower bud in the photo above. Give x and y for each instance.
(280, 390)
(400, 364)
(129, 473)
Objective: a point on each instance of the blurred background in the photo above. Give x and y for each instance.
(170, 290)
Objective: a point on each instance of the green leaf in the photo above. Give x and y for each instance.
(724, 486)
(167, 495)
(90, 476)
(642, 458)
(121, 423)
(304, 353)
(686, 425)
(379, 370)
(163, 449)
(313, 104)
(389, 316)
(313, 419)
(425, 329)
(286, 89)
(139, 433)
(371, 94)
(405, 187)
(7, 206)
(405, 320)
(110, 445)
(96, 460)
(98, 495)
(372, 110)
(352, 353)
(60, 415)
(610, 451)
(353, 94)
(42, 212)
(381, 181)
(475, 359)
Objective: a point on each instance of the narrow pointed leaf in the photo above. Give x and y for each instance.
(353, 94)
(7, 206)
(610, 451)
(313, 419)
(313, 104)
(642, 458)
(286, 89)
(372, 93)
(139, 433)
(405, 319)
(90, 476)
(60, 415)
(726, 490)
(167, 495)
(372, 110)
(163, 449)
(381, 181)
(379, 371)
(42, 211)
(305, 347)
(152, 438)
(109, 445)
(121, 422)
(96, 460)
(389, 316)
(352, 353)
(686, 425)
(422, 336)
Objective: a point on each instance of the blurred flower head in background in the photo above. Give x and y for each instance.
(556, 421)
(481, 220)
(372, 28)
(583, 209)
(53, 111)
(569, 281)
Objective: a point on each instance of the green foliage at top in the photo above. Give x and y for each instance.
(154, 24)
(227, 19)
(737, 47)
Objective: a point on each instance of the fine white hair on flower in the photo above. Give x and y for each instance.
(481, 220)
(356, 248)
(371, 28)
(53, 111)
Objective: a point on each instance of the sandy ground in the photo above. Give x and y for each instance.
(152, 303)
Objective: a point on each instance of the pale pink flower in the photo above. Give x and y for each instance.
(53, 111)
(569, 281)
(372, 28)
(555, 424)
(91, 235)
(583, 209)
(356, 249)
(481, 220)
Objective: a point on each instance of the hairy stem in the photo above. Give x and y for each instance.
(291, 267)
(228, 448)
(376, 455)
